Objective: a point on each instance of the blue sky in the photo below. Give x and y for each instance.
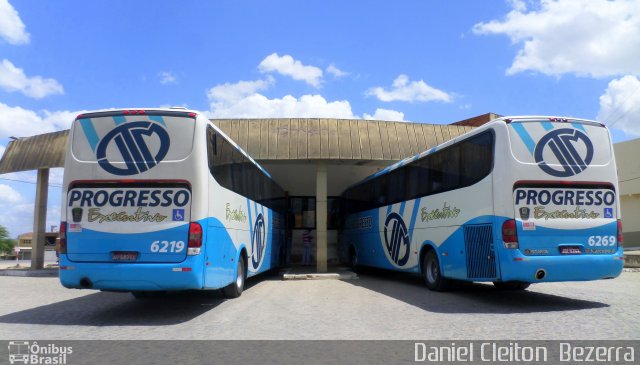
(420, 61)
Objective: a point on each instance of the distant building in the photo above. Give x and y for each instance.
(478, 121)
(26, 245)
(628, 164)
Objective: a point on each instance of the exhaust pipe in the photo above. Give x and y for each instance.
(85, 283)
(541, 274)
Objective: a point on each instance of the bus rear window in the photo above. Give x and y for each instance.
(135, 142)
(560, 145)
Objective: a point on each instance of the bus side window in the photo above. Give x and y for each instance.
(477, 157)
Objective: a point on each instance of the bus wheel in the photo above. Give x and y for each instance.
(234, 289)
(432, 273)
(510, 285)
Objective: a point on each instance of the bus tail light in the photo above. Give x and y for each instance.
(62, 249)
(510, 234)
(619, 231)
(195, 239)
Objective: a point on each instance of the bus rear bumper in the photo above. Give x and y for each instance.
(132, 276)
(517, 267)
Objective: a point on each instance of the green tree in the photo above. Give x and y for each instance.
(6, 243)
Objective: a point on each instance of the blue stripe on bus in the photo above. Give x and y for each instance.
(524, 136)
(547, 125)
(389, 208)
(414, 215)
(119, 119)
(250, 218)
(157, 118)
(89, 132)
(402, 207)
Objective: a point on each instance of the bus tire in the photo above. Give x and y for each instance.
(510, 285)
(234, 289)
(432, 274)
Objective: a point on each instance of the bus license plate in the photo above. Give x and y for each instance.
(124, 256)
(570, 250)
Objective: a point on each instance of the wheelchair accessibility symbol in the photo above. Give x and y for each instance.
(178, 215)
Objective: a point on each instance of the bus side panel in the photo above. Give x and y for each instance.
(361, 233)
(258, 238)
(219, 249)
(237, 223)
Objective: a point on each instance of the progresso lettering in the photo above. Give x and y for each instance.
(564, 197)
(129, 198)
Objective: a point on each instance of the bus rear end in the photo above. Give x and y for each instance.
(560, 203)
(128, 223)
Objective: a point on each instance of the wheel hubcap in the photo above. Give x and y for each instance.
(432, 271)
(240, 278)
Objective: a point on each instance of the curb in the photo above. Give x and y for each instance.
(347, 275)
(632, 260)
(26, 273)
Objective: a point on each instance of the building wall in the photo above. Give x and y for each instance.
(631, 220)
(628, 165)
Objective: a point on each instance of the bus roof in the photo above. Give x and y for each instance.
(172, 111)
(506, 119)
(178, 112)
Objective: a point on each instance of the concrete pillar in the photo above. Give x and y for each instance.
(39, 220)
(321, 216)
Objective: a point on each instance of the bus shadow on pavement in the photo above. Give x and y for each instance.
(467, 297)
(122, 309)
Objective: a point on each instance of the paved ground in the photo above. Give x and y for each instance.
(6, 264)
(376, 306)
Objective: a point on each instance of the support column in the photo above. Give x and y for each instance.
(39, 220)
(321, 216)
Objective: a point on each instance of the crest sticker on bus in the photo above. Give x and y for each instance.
(258, 242)
(396, 239)
(564, 152)
(130, 141)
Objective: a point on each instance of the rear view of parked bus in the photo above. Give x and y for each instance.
(517, 201)
(158, 200)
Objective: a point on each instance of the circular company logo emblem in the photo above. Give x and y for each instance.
(258, 242)
(571, 148)
(129, 140)
(396, 237)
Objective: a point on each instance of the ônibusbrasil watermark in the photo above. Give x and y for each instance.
(26, 352)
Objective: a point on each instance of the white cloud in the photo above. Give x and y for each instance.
(336, 72)
(2, 149)
(595, 38)
(19, 122)
(13, 79)
(259, 106)
(229, 93)
(620, 105)
(288, 66)
(385, 114)
(9, 195)
(167, 78)
(12, 28)
(405, 90)
(243, 100)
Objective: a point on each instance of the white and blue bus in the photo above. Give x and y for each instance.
(517, 201)
(158, 200)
